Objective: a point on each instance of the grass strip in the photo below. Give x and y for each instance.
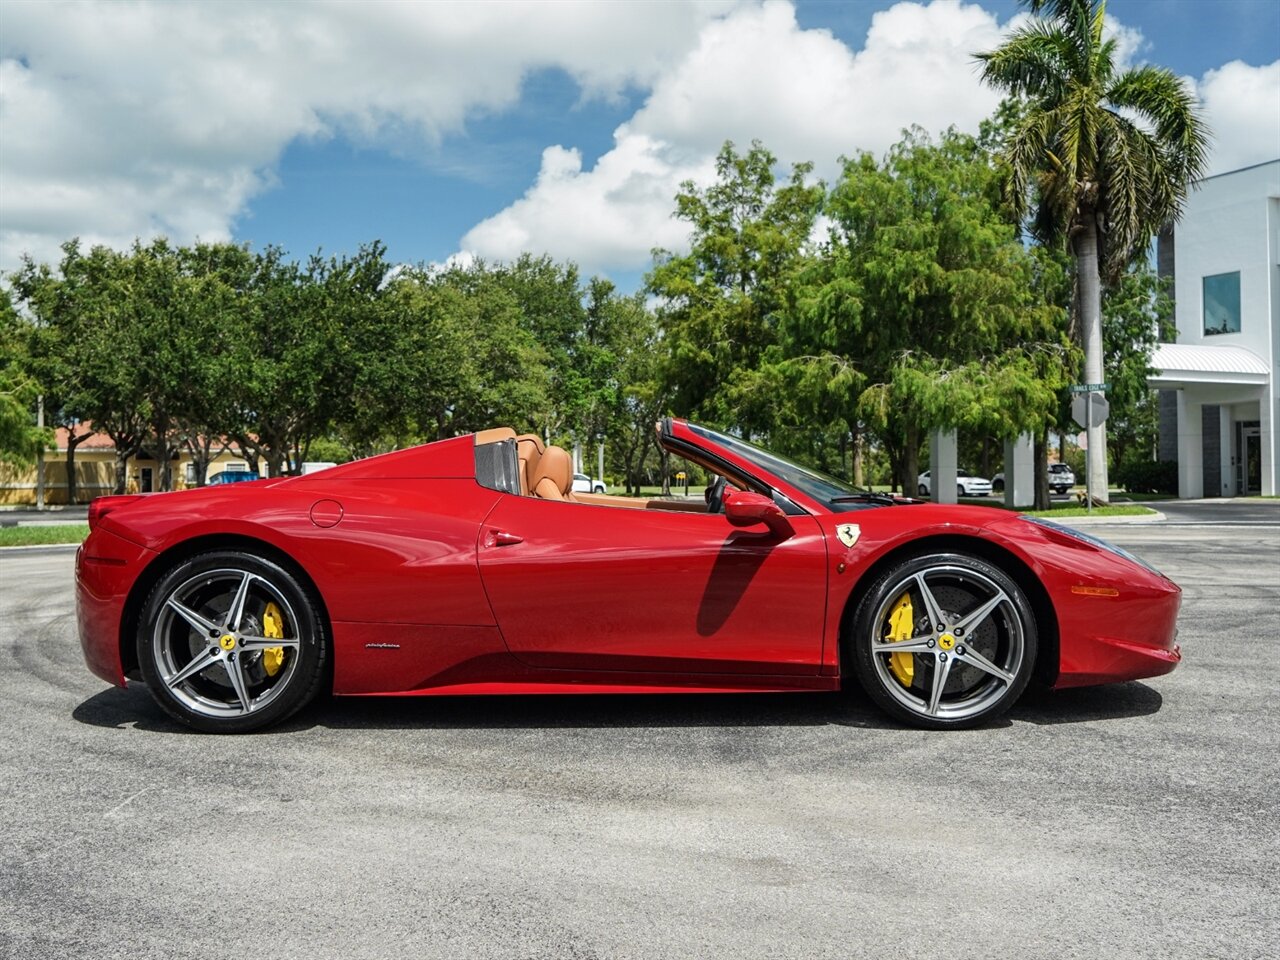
(1072, 510)
(36, 535)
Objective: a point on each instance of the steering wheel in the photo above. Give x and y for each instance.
(715, 495)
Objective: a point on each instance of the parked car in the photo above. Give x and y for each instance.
(1061, 479)
(584, 484)
(232, 476)
(967, 485)
(460, 567)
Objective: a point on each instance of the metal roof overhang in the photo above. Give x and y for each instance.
(1180, 365)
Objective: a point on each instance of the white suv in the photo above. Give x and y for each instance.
(1061, 478)
(584, 484)
(967, 485)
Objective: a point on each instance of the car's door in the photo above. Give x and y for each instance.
(583, 586)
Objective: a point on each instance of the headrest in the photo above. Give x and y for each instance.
(528, 452)
(553, 477)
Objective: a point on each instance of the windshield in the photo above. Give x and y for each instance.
(822, 487)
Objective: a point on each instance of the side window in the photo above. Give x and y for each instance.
(497, 467)
(1222, 303)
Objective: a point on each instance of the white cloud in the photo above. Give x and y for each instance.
(752, 75)
(1242, 106)
(1129, 41)
(122, 120)
(607, 218)
(756, 75)
(137, 119)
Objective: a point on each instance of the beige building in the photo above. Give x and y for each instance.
(95, 465)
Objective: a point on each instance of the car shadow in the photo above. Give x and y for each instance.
(134, 707)
(1114, 701)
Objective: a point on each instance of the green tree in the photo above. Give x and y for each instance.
(1110, 154)
(549, 301)
(722, 304)
(20, 440)
(1137, 313)
(294, 371)
(59, 342)
(217, 279)
(925, 291)
(450, 353)
(639, 394)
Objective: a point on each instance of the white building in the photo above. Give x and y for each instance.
(1220, 402)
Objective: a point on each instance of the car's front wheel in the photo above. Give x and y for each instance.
(230, 642)
(923, 490)
(943, 640)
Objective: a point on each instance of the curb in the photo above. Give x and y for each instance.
(40, 548)
(1086, 521)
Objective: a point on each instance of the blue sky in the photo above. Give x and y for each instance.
(486, 129)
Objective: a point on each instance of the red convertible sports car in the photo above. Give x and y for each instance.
(469, 566)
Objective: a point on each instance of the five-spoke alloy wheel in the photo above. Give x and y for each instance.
(943, 640)
(230, 642)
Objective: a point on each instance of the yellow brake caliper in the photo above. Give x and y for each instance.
(901, 621)
(273, 627)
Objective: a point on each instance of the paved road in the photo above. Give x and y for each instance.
(1232, 513)
(1132, 821)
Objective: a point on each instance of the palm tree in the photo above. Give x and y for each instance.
(1111, 156)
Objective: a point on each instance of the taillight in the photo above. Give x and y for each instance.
(99, 507)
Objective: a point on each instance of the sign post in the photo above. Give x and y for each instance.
(1088, 477)
(40, 454)
(1088, 407)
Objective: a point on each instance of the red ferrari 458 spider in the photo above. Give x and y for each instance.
(469, 566)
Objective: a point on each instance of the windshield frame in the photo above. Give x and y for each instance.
(823, 490)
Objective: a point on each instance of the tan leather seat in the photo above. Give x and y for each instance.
(528, 451)
(553, 477)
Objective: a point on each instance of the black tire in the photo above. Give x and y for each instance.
(960, 491)
(203, 592)
(923, 490)
(997, 486)
(959, 585)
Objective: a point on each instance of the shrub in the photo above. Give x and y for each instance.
(1148, 476)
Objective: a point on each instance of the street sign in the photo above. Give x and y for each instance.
(1090, 387)
(1083, 415)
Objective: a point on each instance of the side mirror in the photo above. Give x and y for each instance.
(743, 508)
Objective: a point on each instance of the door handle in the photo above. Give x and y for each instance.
(500, 538)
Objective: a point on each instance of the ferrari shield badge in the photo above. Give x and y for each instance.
(848, 533)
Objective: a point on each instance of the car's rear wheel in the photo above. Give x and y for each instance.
(231, 642)
(923, 490)
(943, 640)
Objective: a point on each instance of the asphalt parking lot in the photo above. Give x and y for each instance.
(1130, 821)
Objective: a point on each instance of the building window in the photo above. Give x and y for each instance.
(1222, 303)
